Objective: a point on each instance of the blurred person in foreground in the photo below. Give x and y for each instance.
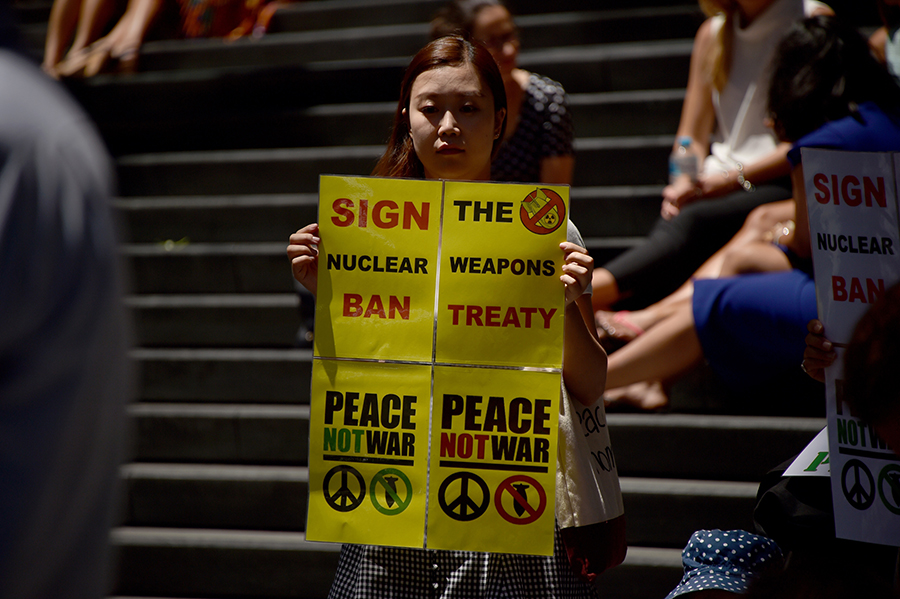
(64, 375)
(871, 386)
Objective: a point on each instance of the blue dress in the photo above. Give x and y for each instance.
(753, 327)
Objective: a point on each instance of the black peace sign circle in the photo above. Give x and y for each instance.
(344, 500)
(858, 495)
(463, 508)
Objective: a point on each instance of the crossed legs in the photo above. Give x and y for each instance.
(670, 347)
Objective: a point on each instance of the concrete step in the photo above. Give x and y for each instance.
(405, 39)
(666, 512)
(746, 447)
(614, 217)
(183, 267)
(334, 14)
(606, 161)
(215, 219)
(34, 36)
(627, 113)
(710, 447)
(32, 11)
(219, 91)
(220, 433)
(176, 221)
(627, 66)
(289, 48)
(224, 375)
(218, 320)
(646, 572)
(606, 114)
(217, 496)
(660, 512)
(280, 171)
(169, 562)
(223, 563)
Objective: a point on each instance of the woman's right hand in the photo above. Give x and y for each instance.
(819, 353)
(303, 252)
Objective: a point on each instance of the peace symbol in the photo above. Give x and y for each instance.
(343, 500)
(858, 495)
(463, 507)
(387, 479)
(890, 474)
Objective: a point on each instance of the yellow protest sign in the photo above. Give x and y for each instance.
(471, 342)
(500, 300)
(377, 267)
(493, 460)
(368, 438)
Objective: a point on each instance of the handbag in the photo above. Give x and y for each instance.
(589, 507)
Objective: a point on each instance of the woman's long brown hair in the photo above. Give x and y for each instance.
(718, 62)
(399, 159)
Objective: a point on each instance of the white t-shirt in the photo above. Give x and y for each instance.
(741, 107)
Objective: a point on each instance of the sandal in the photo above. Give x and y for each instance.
(621, 318)
(617, 330)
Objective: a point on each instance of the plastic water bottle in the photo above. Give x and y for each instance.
(683, 161)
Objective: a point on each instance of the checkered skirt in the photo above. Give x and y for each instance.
(374, 572)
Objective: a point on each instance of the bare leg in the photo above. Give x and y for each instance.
(646, 395)
(663, 353)
(121, 44)
(60, 29)
(755, 257)
(94, 16)
(750, 250)
(605, 290)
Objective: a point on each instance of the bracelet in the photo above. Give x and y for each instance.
(742, 182)
(782, 229)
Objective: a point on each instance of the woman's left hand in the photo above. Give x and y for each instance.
(819, 353)
(577, 270)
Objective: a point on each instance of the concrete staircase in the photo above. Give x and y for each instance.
(219, 148)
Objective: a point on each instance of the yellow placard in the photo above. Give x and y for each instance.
(377, 267)
(493, 460)
(404, 338)
(368, 437)
(500, 300)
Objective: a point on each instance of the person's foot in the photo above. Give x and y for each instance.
(50, 69)
(126, 59)
(645, 396)
(615, 329)
(73, 63)
(107, 54)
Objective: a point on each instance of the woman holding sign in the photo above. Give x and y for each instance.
(449, 122)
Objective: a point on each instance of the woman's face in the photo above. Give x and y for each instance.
(495, 29)
(453, 123)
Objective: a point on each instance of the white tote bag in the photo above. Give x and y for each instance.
(589, 507)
